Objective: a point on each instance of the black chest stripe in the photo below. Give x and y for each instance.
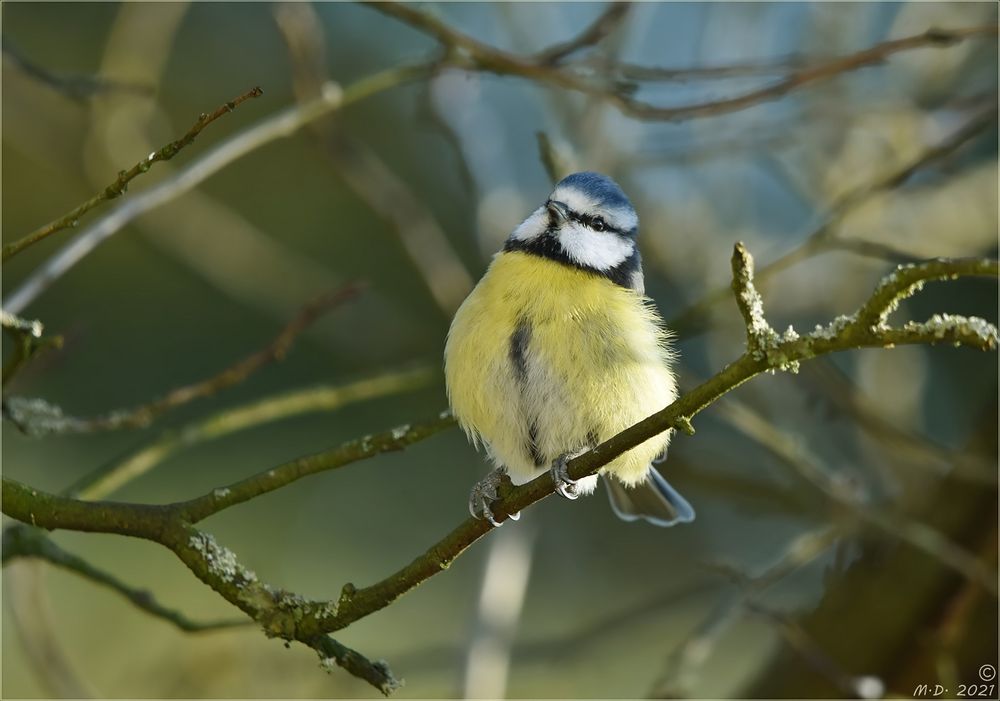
(536, 454)
(518, 352)
(518, 349)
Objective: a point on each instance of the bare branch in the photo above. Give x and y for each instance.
(35, 417)
(863, 687)
(468, 53)
(118, 187)
(694, 319)
(684, 662)
(23, 541)
(75, 87)
(103, 481)
(281, 125)
(798, 456)
(606, 22)
(368, 175)
(649, 74)
(294, 618)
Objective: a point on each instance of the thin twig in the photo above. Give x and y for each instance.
(368, 175)
(797, 455)
(281, 125)
(471, 54)
(650, 74)
(696, 317)
(36, 417)
(682, 664)
(23, 541)
(75, 87)
(118, 187)
(863, 687)
(840, 389)
(594, 33)
(105, 480)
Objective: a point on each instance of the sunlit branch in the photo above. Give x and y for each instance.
(295, 618)
(105, 480)
(118, 187)
(281, 125)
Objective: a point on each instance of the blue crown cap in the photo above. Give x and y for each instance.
(598, 187)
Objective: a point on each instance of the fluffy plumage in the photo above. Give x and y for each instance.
(557, 349)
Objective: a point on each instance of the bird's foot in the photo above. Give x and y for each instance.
(484, 493)
(567, 487)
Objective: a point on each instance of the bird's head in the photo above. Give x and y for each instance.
(588, 222)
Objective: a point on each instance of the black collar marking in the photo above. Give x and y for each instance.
(547, 246)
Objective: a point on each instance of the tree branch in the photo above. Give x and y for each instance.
(606, 22)
(24, 541)
(118, 187)
(468, 53)
(292, 617)
(280, 125)
(694, 318)
(36, 417)
(101, 482)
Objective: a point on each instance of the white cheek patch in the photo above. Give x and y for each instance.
(532, 227)
(622, 219)
(592, 249)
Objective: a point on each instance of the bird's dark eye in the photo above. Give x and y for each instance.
(597, 224)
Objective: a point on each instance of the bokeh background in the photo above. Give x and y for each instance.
(776, 590)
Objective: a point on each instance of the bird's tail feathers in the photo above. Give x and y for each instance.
(652, 500)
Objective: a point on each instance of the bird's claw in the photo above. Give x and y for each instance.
(483, 494)
(565, 486)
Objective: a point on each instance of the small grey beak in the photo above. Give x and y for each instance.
(558, 210)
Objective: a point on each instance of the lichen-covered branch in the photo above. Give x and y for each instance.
(120, 184)
(292, 617)
(694, 319)
(377, 673)
(24, 541)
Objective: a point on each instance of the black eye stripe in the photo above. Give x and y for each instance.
(588, 221)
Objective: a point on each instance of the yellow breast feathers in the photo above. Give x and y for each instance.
(544, 359)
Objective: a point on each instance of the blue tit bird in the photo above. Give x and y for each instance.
(557, 349)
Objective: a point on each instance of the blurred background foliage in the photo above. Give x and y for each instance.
(610, 609)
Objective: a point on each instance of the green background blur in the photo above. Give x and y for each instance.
(185, 291)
